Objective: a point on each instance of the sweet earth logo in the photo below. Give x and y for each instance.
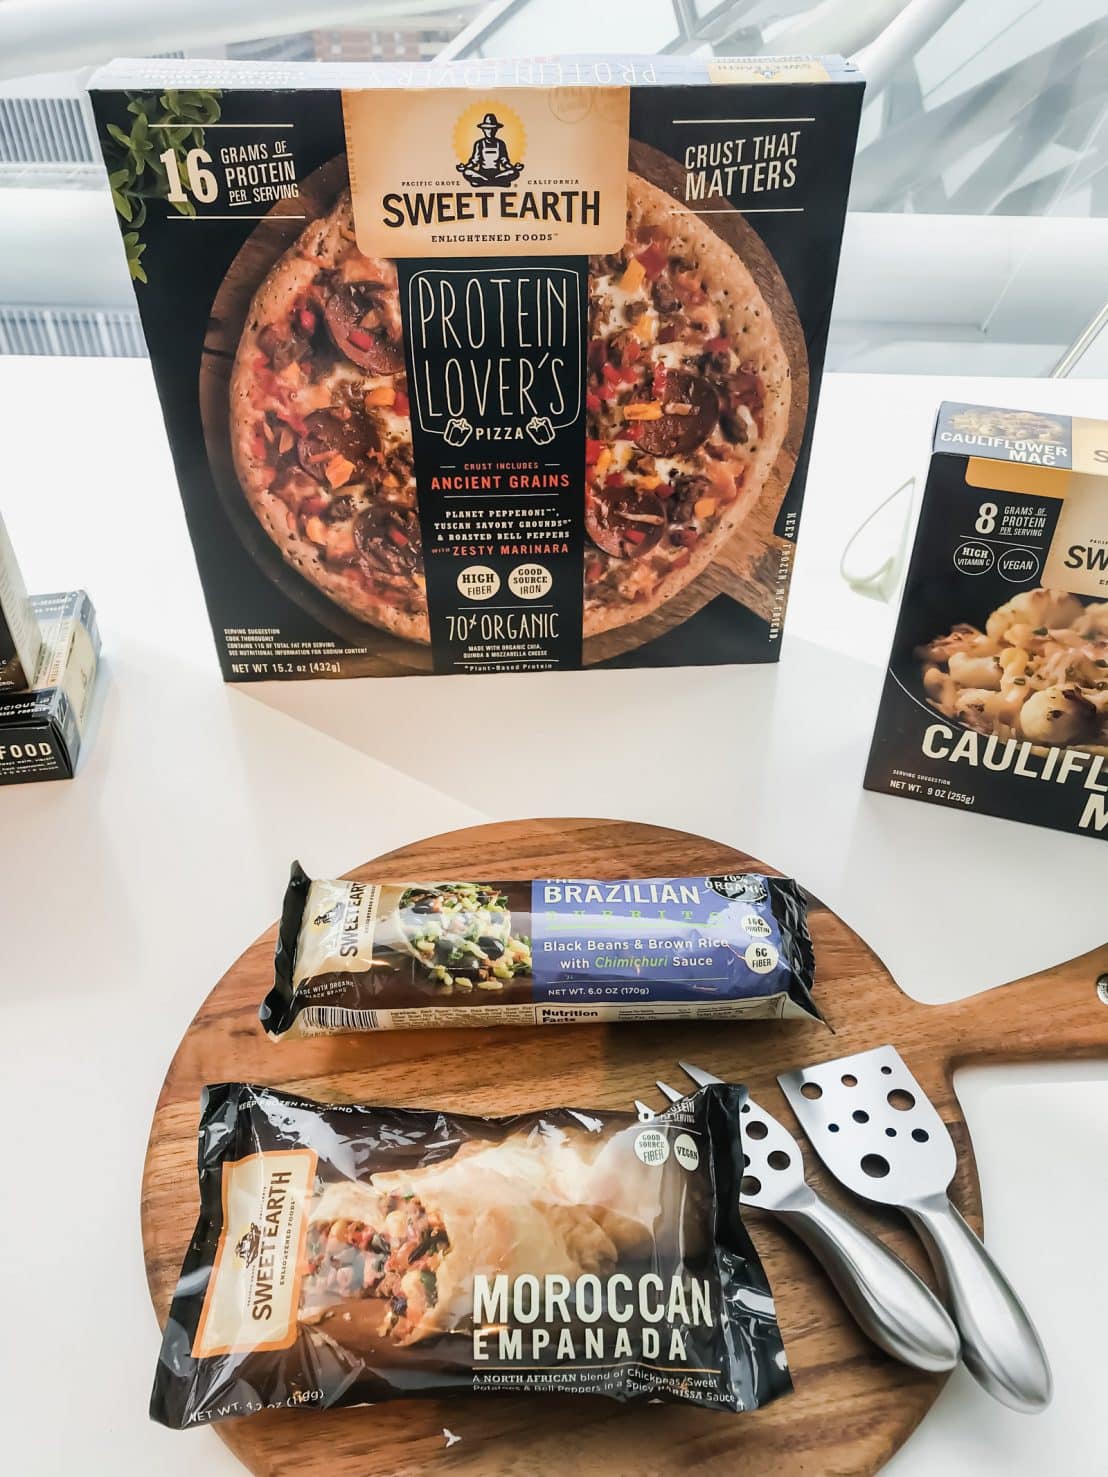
(249, 1244)
(466, 177)
(484, 157)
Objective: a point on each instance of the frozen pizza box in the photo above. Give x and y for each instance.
(42, 729)
(487, 366)
(996, 695)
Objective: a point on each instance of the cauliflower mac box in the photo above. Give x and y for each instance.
(485, 366)
(996, 696)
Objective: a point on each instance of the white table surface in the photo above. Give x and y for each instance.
(194, 788)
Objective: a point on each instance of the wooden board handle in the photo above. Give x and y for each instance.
(1056, 1014)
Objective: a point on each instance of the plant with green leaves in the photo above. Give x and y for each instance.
(164, 121)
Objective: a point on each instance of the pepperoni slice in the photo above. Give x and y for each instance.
(625, 525)
(388, 539)
(344, 308)
(327, 433)
(677, 434)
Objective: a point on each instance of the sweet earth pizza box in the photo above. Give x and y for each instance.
(996, 697)
(20, 636)
(494, 366)
(41, 731)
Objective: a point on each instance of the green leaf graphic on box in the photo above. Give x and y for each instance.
(135, 248)
(169, 121)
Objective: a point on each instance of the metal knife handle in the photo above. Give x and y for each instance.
(1000, 1346)
(891, 1305)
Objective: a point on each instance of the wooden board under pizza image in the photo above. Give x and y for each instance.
(530, 427)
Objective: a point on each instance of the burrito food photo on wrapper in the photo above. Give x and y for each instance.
(373, 956)
(349, 1254)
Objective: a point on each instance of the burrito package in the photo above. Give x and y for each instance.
(387, 956)
(348, 1254)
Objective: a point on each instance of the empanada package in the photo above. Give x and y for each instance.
(347, 1254)
(379, 956)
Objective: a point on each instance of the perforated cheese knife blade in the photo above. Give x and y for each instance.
(887, 1300)
(873, 1126)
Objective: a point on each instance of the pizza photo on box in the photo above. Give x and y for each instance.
(695, 402)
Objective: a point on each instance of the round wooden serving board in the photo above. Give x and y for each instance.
(853, 1407)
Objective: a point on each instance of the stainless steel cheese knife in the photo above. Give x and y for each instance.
(876, 1131)
(891, 1305)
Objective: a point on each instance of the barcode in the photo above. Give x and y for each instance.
(317, 1018)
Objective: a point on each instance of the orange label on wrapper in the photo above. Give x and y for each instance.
(514, 172)
(254, 1292)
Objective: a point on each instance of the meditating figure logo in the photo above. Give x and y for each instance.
(489, 162)
(249, 1244)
